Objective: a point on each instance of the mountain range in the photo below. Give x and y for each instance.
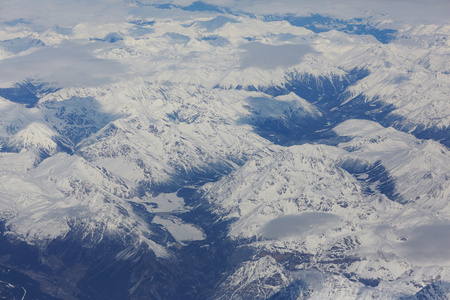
(203, 152)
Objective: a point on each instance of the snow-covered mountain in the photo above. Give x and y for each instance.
(196, 151)
(319, 208)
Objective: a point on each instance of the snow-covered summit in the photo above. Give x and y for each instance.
(419, 168)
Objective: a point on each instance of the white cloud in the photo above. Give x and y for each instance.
(50, 13)
(429, 244)
(296, 225)
(68, 65)
(73, 65)
(266, 56)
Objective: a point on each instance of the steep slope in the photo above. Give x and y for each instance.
(419, 169)
(300, 207)
(65, 192)
(283, 182)
(25, 129)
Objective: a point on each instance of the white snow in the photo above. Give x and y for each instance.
(420, 168)
(179, 230)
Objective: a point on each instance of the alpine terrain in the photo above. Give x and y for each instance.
(224, 150)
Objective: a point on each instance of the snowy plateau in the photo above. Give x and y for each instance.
(201, 150)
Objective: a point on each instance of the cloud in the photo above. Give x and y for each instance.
(69, 65)
(74, 65)
(50, 13)
(429, 244)
(295, 225)
(266, 56)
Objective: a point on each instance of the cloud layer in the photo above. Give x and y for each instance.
(72, 64)
(266, 56)
(429, 244)
(296, 225)
(69, 65)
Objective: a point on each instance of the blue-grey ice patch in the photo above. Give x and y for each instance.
(18, 45)
(202, 6)
(17, 22)
(142, 22)
(296, 225)
(178, 38)
(216, 40)
(64, 30)
(216, 23)
(113, 37)
(265, 56)
(140, 31)
(286, 36)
